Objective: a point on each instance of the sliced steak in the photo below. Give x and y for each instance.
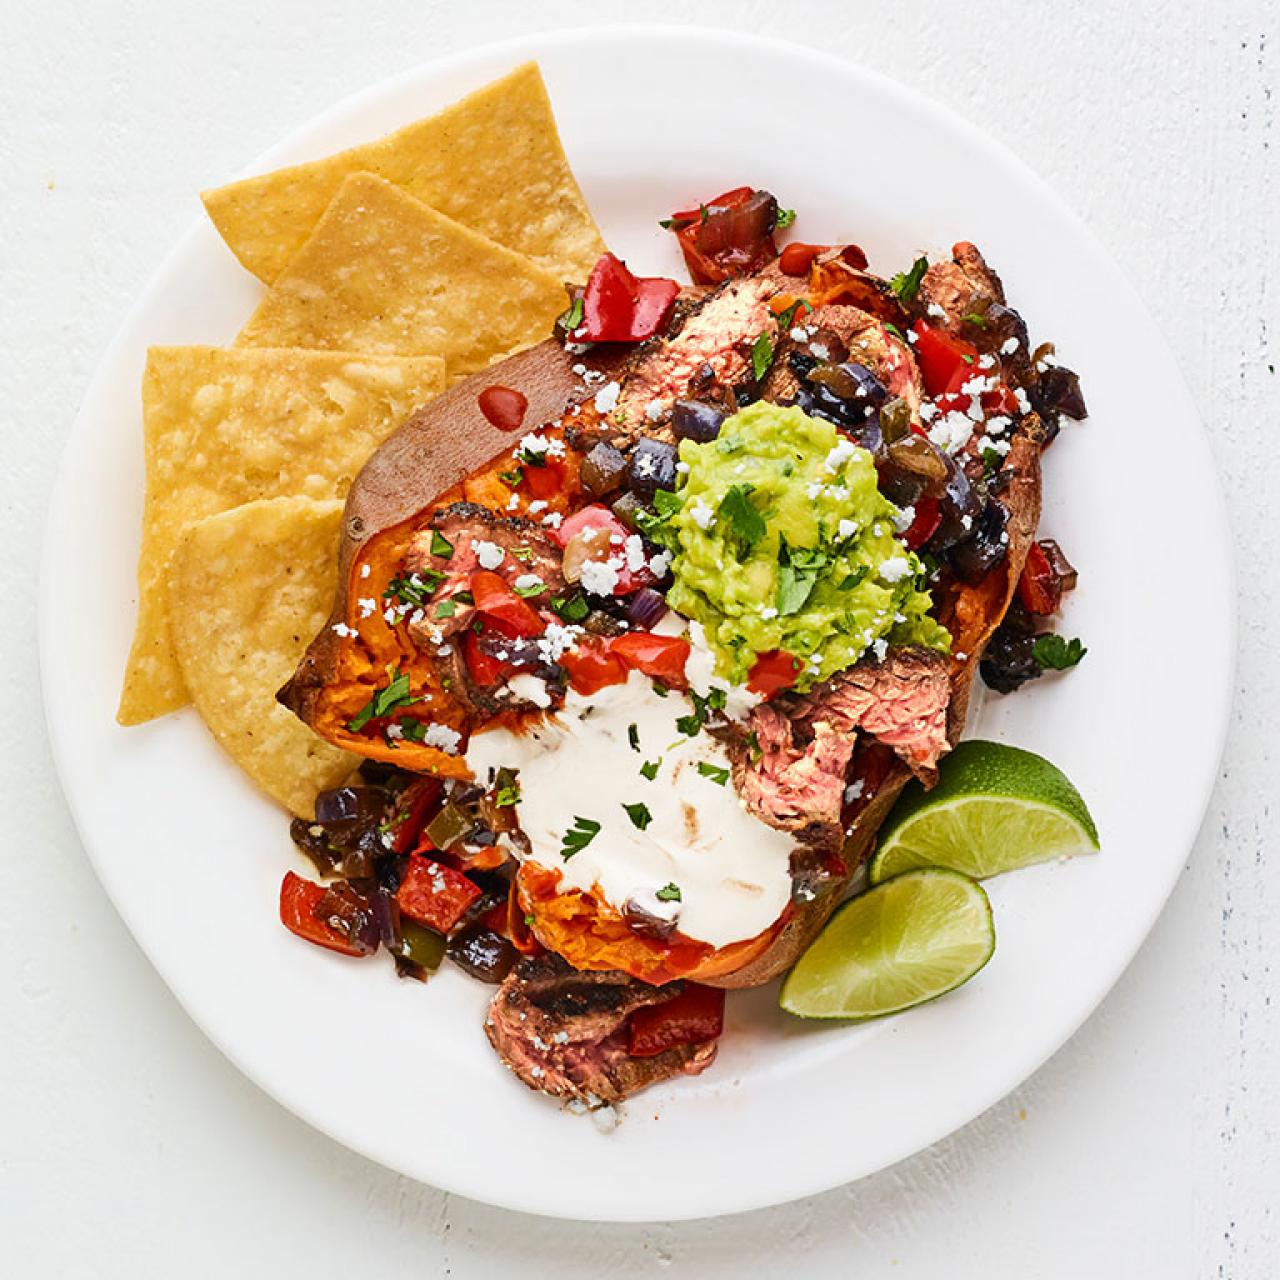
(964, 286)
(709, 353)
(796, 782)
(564, 1032)
(795, 779)
(473, 531)
(901, 702)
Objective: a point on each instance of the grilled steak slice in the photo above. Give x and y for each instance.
(526, 550)
(796, 780)
(707, 356)
(901, 702)
(564, 1032)
(952, 290)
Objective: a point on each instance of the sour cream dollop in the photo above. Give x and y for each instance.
(731, 871)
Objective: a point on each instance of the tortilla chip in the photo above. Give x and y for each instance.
(228, 427)
(385, 273)
(492, 162)
(248, 588)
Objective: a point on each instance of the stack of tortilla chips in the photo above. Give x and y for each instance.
(392, 270)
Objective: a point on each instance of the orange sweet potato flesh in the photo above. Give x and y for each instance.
(447, 451)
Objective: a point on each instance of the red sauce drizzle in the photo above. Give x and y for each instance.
(503, 407)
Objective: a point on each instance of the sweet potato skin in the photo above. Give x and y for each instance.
(435, 450)
(450, 438)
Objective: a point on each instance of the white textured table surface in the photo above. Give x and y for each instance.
(1146, 1148)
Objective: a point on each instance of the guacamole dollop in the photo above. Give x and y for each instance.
(783, 541)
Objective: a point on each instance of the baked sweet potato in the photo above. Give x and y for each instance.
(448, 453)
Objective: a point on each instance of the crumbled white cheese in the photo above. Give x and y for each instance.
(768, 613)
(597, 578)
(1024, 405)
(998, 425)
(895, 568)
(904, 519)
(645, 464)
(846, 528)
(660, 563)
(935, 310)
(346, 632)
(634, 548)
(843, 451)
(702, 513)
(533, 445)
(552, 519)
(365, 570)
(854, 790)
(606, 400)
(395, 731)
(527, 582)
(367, 605)
(557, 640)
(654, 410)
(820, 350)
(1009, 346)
(952, 432)
(488, 554)
(539, 505)
(880, 648)
(442, 738)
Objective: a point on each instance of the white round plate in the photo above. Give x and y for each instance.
(192, 856)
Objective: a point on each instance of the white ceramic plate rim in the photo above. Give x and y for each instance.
(827, 1168)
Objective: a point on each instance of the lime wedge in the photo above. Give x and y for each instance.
(909, 940)
(995, 808)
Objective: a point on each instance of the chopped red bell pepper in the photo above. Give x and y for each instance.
(1040, 587)
(729, 236)
(434, 894)
(797, 258)
(501, 606)
(544, 482)
(592, 667)
(414, 807)
(942, 358)
(620, 307)
(484, 668)
(298, 901)
(925, 524)
(659, 657)
(695, 1016)
(776, 669)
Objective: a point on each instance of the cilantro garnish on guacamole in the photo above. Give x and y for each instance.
(783, 541)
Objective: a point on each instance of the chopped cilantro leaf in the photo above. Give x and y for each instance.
(650, 769)
(716, 772)
(581, 834)
(1053, 653)
(798, 570)
(511, 478)
(738, 513)
(856, 578)
(413, 588)
(991, 461)
(761, 356)
(893, 329)
(383, 701)
(668, 893)
(785, 218)
(414, 731)
(440, 545)
(906, 284)
(505, 796)
(639, 815)
(571, 608)
(523, 554)
(633, 737)
(975, 318)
